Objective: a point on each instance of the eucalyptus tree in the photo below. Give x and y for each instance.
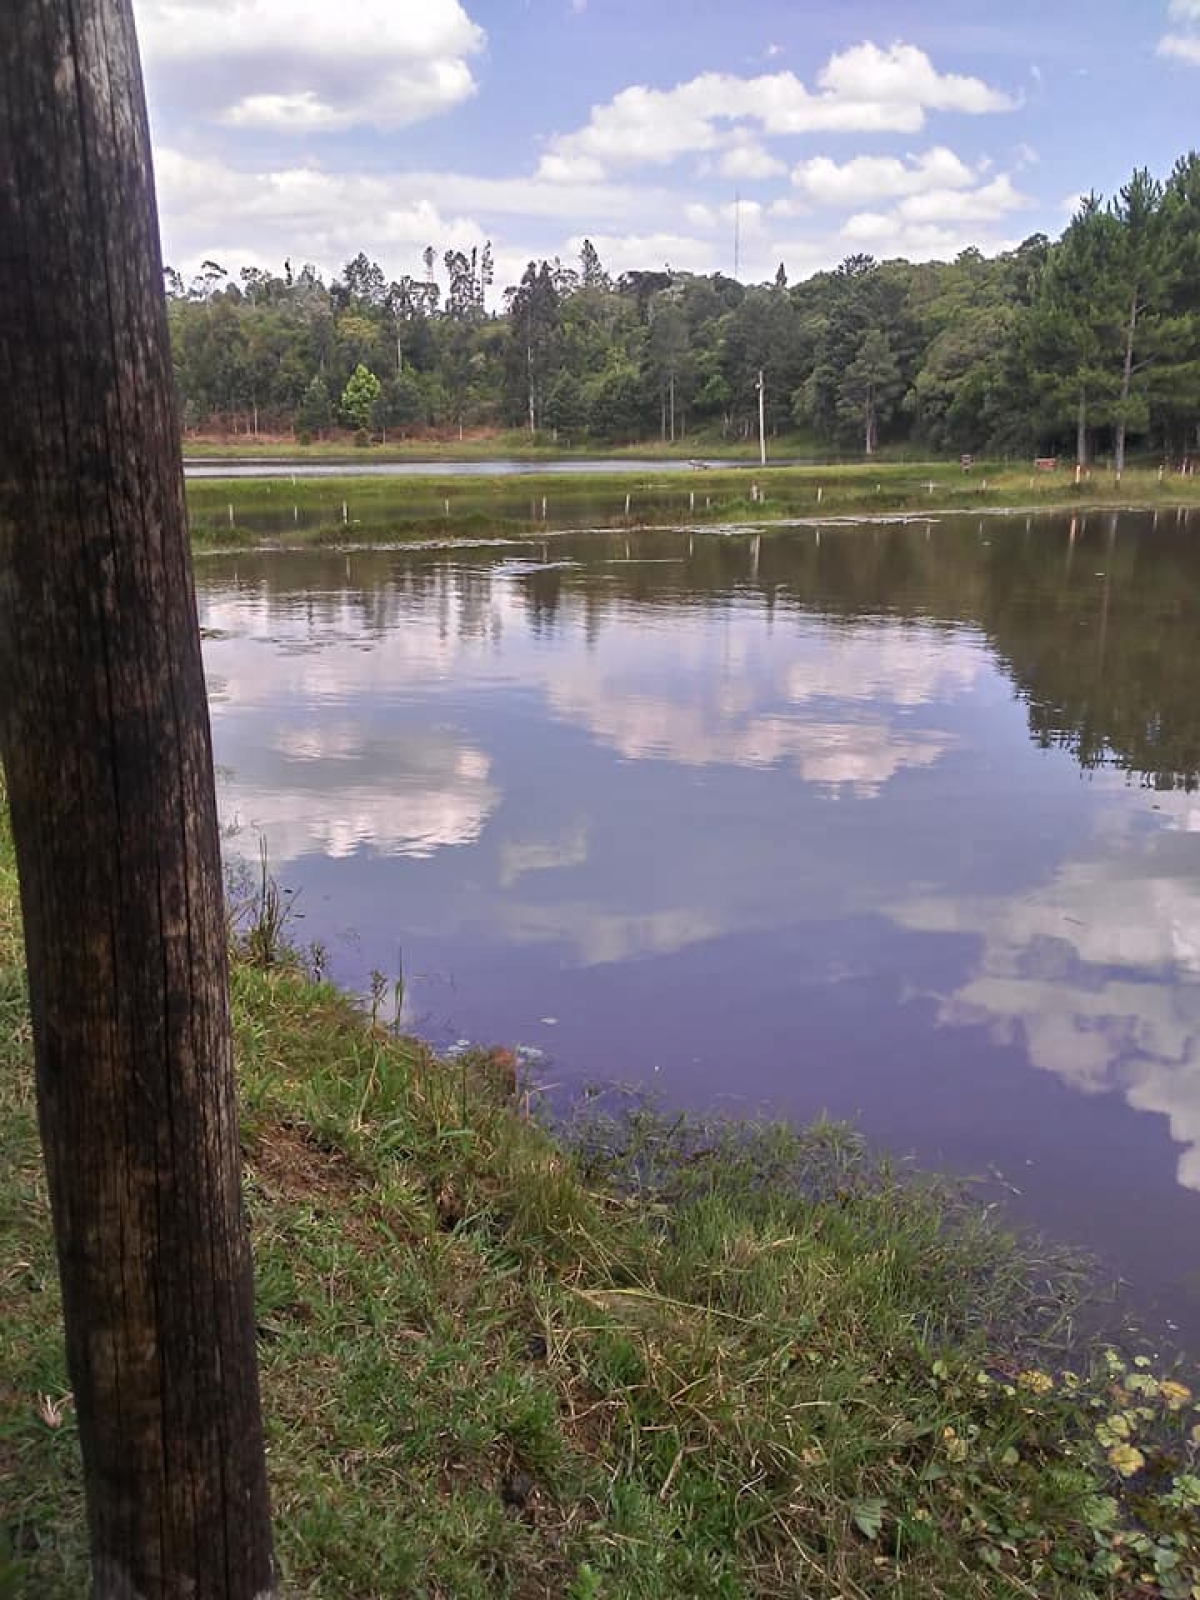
(869, 387)
(534, 320)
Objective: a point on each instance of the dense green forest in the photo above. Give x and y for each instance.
(1079, 346)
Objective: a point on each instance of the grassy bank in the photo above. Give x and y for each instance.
(638, 1364)
(232, 511)
(512, 444)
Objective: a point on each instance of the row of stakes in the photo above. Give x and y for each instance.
(756, 494)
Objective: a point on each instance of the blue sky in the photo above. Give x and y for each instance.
(293, 128)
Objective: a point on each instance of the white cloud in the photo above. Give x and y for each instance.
(284, 113)
(748, 214)
(904, 76)
(749, 160)
(1184, 46)
(209, 209)
(937, 224)
(864, 89)
(804, 256)
(626, 252)
(863, 179)
(884, 234)
(300, 65)
(698, 215)
(984, 204)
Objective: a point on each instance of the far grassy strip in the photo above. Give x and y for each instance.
(633, 1363)
(296, 511)
(512, 444)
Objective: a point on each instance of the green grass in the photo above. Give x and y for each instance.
(635, 1360)
(482, 445)
(232, 512)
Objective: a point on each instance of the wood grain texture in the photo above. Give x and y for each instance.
(105, 739)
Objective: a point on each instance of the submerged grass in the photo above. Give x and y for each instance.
(631, 1360)
(290, 511)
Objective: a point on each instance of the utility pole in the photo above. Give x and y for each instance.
(737, 237)
(761, 386)
(104, 736)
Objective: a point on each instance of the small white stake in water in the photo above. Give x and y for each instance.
(626, 505)
(446, 504)
(345, 512)
(231, 515)
(543, 508)
(820, 493)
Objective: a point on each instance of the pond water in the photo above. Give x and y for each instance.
(895, 822)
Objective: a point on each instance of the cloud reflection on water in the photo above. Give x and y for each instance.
(1098, 970)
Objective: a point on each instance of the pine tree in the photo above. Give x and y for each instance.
(359, 396)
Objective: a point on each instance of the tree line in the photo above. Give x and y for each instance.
(1081, 345)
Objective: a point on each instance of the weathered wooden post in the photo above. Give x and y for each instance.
(105, 739)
